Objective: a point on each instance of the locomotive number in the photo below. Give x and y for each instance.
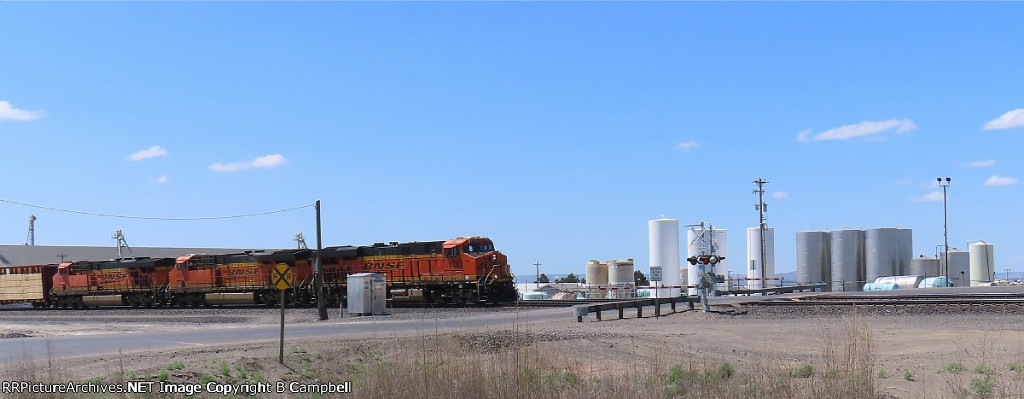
(382, 265)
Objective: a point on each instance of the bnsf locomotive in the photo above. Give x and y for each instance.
(466, 270)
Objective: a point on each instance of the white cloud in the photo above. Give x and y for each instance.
(860, 129)
(686, 145)
(151, 152)
(162, 179)
(979, 164)
(9, 113)
(1010, 119)
(780, 194)
(930, 197)
(264, 162)
(1000, 181)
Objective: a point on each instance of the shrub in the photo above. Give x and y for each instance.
(804, 371)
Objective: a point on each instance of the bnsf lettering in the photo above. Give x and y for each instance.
(241, 272)
(382, 265)
(110, 277)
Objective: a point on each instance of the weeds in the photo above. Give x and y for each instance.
(908, 375)
(882, 374)
(954, 368)
(804, 371)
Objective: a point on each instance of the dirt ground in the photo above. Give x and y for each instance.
(918, 354)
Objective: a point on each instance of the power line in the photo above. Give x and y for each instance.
(110, 215)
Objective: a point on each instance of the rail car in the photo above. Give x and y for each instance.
(461, 271)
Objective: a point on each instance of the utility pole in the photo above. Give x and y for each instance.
(761, 208)
(62, 256)
(318, 274)
(537, 280)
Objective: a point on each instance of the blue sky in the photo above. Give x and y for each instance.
(557, 129)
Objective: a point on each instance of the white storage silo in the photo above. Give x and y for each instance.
(847, 248)
(754, 274)
(621, 283)
(959, 267)
(881, 251)
(813, 257)
(699, 242)
(982, 262)
(597, 273)
(663, 241)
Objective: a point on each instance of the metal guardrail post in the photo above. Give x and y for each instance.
(673, 305)
(598, 313)
(619, 305)
(639, 308)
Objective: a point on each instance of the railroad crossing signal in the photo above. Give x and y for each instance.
(282, 277)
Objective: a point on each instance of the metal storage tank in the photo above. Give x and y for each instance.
(959, 268)
(621, 272)
(847, 248)
(754, 281)
(881, 252)
(925, 267)
(982, 262)
(663, 240)
(684, 276)
(813, 257)
(905, 251)
(702, 245)
(597, 273)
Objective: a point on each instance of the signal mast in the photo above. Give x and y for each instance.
(704, 241)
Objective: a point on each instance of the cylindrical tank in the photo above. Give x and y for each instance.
(813, 257)
(684, 276)
(881, 251)
(982, 262)
(925, 267)
(699, 242)
(905, 250)
(597, 273)
(847, 248)
(959, 267)
(621, 272)
(754, 274)
(663, 241)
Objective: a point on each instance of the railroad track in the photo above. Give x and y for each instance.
(899, 300)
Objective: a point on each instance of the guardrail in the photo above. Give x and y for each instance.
(583, 310)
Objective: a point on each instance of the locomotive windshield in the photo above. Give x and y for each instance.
(479, 247)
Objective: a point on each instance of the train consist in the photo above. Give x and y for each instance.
(461, 271)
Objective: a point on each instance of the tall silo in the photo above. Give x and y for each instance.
(813, 257)
(699, 242)
(881, 251)
(754, 275)
(982, 262)
(848, 267)
(905, 251)
(922, 266)
(959, 268)
(597, 273)
(663, 240)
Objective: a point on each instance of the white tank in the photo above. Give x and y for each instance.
(684, 276)
(702, 246)
(597, 273)
(620, 272)
(959, 268)
(982, 262)
(754, 281)
(663, 241)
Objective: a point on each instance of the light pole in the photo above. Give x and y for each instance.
(945, 224)
(537, 280)
(1007, 274)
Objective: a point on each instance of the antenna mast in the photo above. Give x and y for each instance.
(31, 239)
(301, 240)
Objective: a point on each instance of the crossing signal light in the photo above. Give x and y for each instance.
(692, 260)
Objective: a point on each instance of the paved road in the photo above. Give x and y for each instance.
(40, 348)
